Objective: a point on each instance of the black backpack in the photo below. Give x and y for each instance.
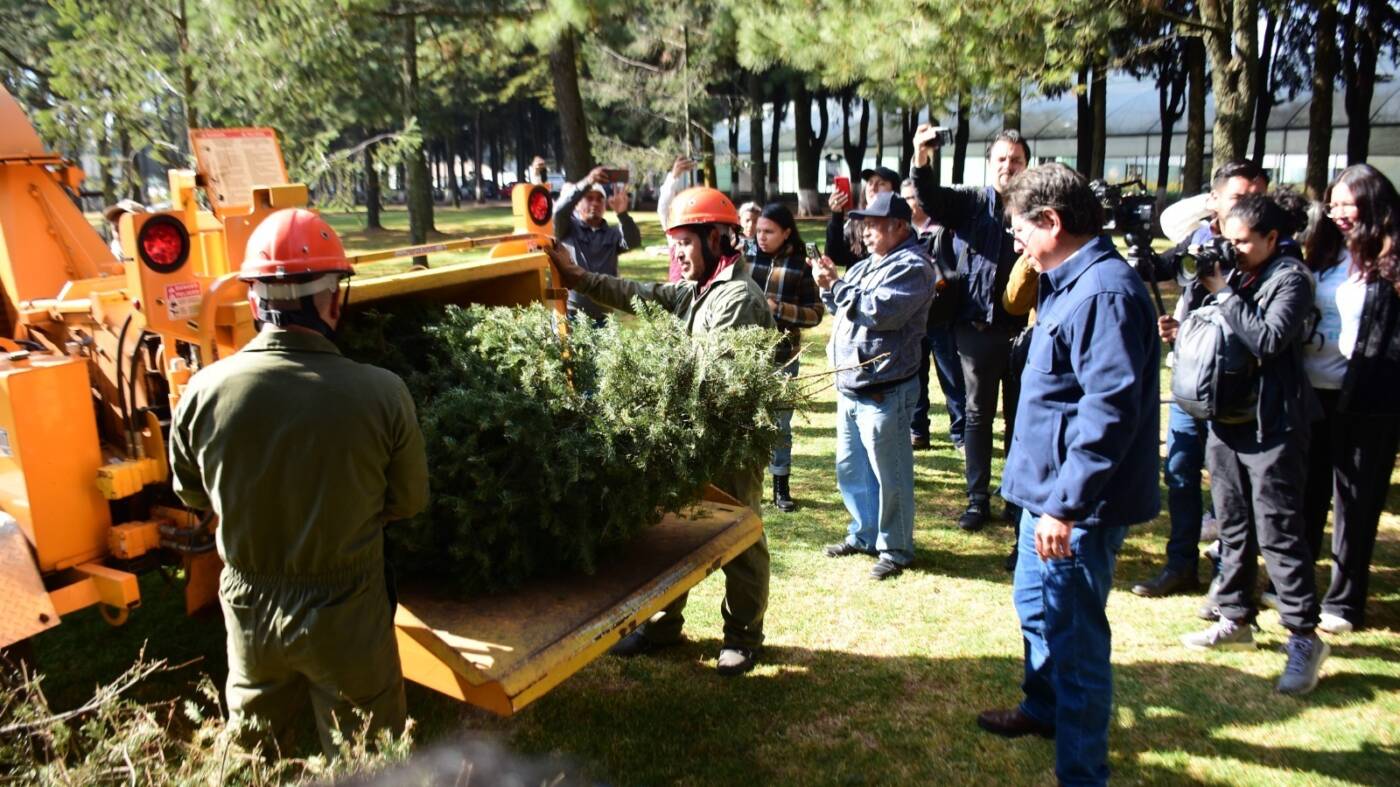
(1214, 376)
(948, 286)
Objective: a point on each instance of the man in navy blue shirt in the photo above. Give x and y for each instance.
(1083, 463)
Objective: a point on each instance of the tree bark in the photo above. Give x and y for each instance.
(420, 194)
(186, 74)
(707, 160)
(1193, 167)
(496, 153)
(757, 168)
(1084, 130)
(104, 159)
(1010, 119)
(735, 114)
(1233, 59)
(1363, 45)
(1171, 102)
(964, 131)
(563, 67)
(372, 197)
(1263, 85)
(453, 185)
(476, 157)
(879, 136)
(521, 150)
(854, 152)
(779, 114)
(908, 124)
(1099, 102)
(808, 147)
(1320, 111)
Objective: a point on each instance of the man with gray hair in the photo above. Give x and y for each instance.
(880, 308)
(1083, 463)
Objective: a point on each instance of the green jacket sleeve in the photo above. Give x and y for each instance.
(618, 293)
(736, 305)
(406, 491)
(186, 478)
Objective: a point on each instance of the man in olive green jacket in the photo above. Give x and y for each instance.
(304, 455)
(716, 292)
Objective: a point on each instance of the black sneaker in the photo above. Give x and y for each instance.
(975, 517)
(1012, 559)
(1011, 513)
(844, 549)
(885, 568)
(734, 660)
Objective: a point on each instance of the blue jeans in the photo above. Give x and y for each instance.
(875, 469)
(1186, 455)
(942, 348)
(1069, 683)
(781, 461)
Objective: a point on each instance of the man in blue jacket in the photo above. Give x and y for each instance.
(1083, 463)
(881, 309)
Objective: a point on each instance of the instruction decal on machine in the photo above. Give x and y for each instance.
(234, 160)
(5, 449)
(182, 300)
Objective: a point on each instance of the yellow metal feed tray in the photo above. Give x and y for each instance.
(503, 652)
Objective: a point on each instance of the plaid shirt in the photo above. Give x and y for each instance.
(788, 281)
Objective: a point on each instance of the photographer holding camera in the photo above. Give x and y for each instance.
(1259, 425)
(1186, 436)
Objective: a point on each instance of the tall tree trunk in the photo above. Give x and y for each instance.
(1320, 111)
(779, 114)
(1084, 130)
(854, 151)
(757, 168)
(563, 66)
(908, 124)
(964, 131)
(1171, 101)
(420, 194)
(476, 157)
(809, 148)
(707, 160)
(735, 113)
(935, 163)
(104, 159)
(1233, 59)
(373, 202)
(1364, 42)
(182, 24)
(1263, 85)
(1099, 102)
(1193, 167)
(522, 153)
(453, 185)
(879, 136)
(496, 153)
(1010, 119)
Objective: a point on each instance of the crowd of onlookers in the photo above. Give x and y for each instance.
(1013, 291)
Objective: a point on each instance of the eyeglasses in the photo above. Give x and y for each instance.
(1335, 208)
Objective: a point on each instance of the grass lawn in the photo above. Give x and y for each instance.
(866, 682)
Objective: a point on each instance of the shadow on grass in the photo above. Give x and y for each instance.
(851, 718)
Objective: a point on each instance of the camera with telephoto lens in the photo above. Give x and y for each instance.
(1215, 256)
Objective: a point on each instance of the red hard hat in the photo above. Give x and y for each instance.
(702, 205)
(293, 242)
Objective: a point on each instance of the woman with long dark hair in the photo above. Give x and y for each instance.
(1363, 408)
(780, 268)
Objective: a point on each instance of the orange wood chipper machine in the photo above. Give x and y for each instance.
(95, 350)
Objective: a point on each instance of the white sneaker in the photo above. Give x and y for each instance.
(1334, 624)
(1226, 634)
(1269, 600)
(1210, 528)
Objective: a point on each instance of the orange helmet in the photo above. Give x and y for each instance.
(293, 243)
(701, 205)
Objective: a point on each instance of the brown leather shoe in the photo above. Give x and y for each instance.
(1012, 723)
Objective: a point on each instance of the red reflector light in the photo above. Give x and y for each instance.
(164, 243)
(539, 205)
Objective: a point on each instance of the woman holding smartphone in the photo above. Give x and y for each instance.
(780, 267)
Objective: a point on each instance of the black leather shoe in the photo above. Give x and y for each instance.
(1012, 723)
(1012, 559)
(782, 497)
(919, 442)
(1167, 583)
(975, 517)
(844, 549)
(1011, 513)
(885, 568)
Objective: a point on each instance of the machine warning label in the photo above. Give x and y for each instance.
(5, 449)
(234, 160)
(182, 300)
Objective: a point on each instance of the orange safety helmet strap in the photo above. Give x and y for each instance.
(295, 242)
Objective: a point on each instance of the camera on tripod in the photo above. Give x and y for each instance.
(1216, 255)
(1131, 214)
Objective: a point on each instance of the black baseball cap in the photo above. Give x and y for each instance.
(885, 205)
(884, 173)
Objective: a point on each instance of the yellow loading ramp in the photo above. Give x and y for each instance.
(503, 652)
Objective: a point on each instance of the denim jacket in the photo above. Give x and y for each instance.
(880, 306)
(1085, 443)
